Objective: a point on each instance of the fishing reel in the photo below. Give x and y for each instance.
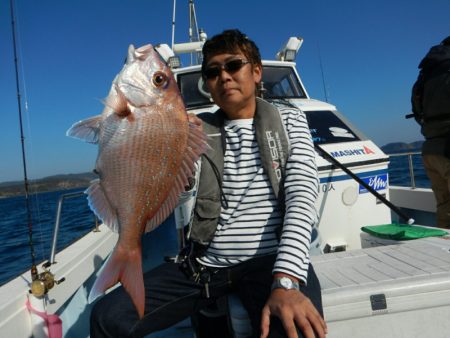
(42, 282)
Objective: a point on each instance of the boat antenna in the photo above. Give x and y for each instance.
(194, 34)
(323, 75)
(34, 274)
(173, 22)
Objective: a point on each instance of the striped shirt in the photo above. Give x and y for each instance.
(248, 227)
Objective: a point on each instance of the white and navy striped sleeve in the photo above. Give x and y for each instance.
(301, 191)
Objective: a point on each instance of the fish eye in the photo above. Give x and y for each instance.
(159, 79)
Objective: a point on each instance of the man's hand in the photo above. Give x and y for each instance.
(192, 118)
(294, 309)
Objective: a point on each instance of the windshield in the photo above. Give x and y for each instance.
(188, 84)
(326, 127)
(278, 82)
(281, 82)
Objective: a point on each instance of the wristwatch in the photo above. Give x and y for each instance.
(284, 283)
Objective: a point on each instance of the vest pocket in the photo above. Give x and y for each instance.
(206, 216)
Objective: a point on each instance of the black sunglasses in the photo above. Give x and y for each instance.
(230, 67)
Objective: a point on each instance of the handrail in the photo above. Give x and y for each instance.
(58, 221)
(410, 164)
(407, 153)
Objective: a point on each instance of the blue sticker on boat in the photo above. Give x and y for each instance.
(377, 182)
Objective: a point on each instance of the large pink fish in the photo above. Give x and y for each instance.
(147, 151)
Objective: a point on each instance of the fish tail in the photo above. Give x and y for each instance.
(125, 266)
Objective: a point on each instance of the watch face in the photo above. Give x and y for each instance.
(286, 282)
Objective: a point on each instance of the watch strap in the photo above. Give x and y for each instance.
(285, 283)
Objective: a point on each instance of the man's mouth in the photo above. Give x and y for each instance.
(228, 90)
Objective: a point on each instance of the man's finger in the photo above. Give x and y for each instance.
(317, 322)
(305, 326)
(265, 322)
(291, 330)
(194, 119)
(310, 324)
(319, 325)
(320, 321)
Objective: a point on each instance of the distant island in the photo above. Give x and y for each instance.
(401, 147)
(71, 181)
(50, 183)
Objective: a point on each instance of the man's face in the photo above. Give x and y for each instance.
(234, 89)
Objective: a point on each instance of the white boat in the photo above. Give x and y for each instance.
(371, 287)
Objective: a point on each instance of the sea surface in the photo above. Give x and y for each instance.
(15, 252)
(77, 220)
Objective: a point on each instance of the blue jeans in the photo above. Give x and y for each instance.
(171, 297)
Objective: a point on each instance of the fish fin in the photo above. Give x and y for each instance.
(166, 208)
(141, 53)
(99, 204)
(87, 130)
(117, 101)
(125, 266)
(196, 146)
(130, 55)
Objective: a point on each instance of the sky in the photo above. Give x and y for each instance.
(70, 50)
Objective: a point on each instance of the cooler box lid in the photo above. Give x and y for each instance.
(393, 278)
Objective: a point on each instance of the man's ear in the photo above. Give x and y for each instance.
(257, 73)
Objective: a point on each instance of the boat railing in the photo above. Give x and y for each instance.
(410, 164)
(61, 200)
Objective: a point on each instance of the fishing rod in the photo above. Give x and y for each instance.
(34, 273)
(44, 281)
(365, 185)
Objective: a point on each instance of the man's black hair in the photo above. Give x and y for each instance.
(231, 41)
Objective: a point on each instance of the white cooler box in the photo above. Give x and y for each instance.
(400, 290)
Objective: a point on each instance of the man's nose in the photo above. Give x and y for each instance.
(224, 75)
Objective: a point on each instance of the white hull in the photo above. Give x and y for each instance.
(348, 281)
(76, 264)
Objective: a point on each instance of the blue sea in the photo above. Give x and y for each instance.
(15, 253)
(399, 172)
(77, 220)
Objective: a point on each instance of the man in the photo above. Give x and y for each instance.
(253, 215)
(431, 107)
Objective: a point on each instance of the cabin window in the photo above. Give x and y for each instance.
(281, 82)
(188, 84)
(326, 127)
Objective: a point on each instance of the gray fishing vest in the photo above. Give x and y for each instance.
(273, 147)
